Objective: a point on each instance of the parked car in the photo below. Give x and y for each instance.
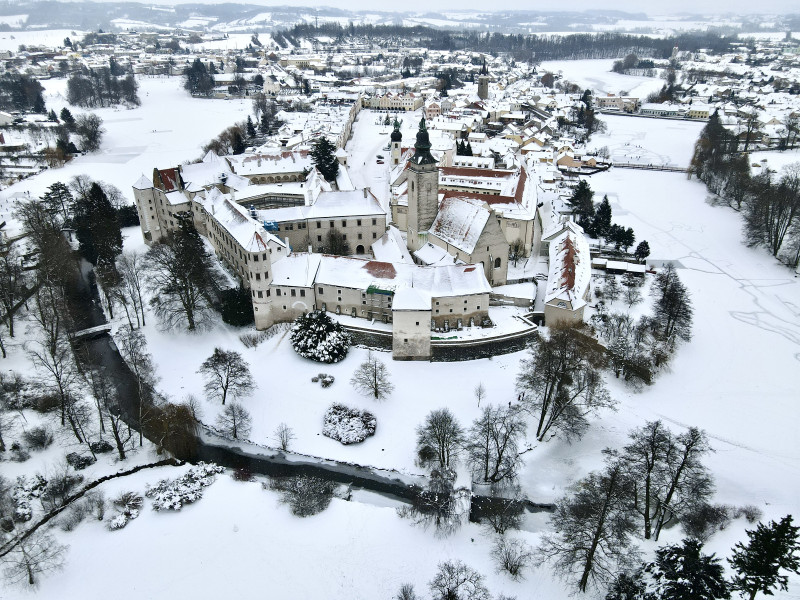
(380, 156)
(379, 161)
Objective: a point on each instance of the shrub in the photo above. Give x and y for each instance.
(749, 512)
(317, 337)
(512, 556)
(80, 461)
(74, 515)
(243, 474)
(703, 520)
(174, 494)
(59, 487)
(46, 403)
(18, 453)
(305, 495)
(348, 425)
(324, 380)
(38, 438)
(101, 446)
(128, 506)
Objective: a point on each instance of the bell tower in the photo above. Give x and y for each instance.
(397, 138)
(483, 82)
(423, 190)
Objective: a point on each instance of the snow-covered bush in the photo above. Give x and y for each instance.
(101, 446)
(318, 337)
(24, 492)
(80, 461)
(128, 505)
(174, 494)
(38, 438)
(305, 495)
(348, 425)
(324, 380)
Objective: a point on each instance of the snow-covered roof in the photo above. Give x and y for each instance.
(143, 183)
(570, 266)
(391, 247)
(439, 281)
(411, 299)
(296, 270)
(271, 162)
(460, 222)
(235, 219)
(430, 254)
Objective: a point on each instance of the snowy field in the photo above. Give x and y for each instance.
(596, 74)
(645, 141)
(776, 160)
(52, 38)
(170, 127)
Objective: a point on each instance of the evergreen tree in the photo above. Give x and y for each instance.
(97, 227)
(318, 337)
(323, 155)
(67, 118)
(251, 130)
(685, 573)
(762, 565)
(714, 144)
(581, 202)
(198, 80)
(642, 251)
(601, 223)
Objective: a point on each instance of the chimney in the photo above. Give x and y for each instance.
(366, 191)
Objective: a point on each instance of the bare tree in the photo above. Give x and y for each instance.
(36, 555)
(406, 592)
(480, 392)
(456, 581)
(562, 382)
(593, 527)
(131, 266)
(688, 482)
(440, 505)
(133, 347)
(772, 209)
(51, 353)
(235, 420)
(109, 410)
(439, 439)
(284, 436)
(226, 372)
(646, 456)
(13, 285)
(512, 556)
(372, 378)
(632, 295)
(492, 444)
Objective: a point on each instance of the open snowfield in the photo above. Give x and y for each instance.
(646, 141)
(776, 160)
(170, 127)
(596, 74)
(52, 38)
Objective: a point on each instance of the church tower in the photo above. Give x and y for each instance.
(423, 190)
(397, 138)
(483, 82)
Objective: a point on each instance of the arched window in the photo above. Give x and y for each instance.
(497, 263)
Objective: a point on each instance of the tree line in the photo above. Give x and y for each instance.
(105, 86)
(769, 201)
(533, 48)
(21, 93)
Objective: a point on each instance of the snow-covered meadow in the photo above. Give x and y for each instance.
(596, 74)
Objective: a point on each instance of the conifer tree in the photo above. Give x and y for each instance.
(772, 551)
